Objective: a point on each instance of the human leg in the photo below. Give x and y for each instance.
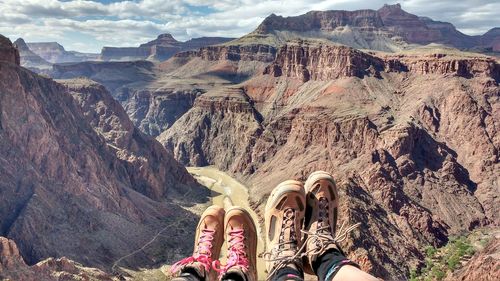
(323, 255)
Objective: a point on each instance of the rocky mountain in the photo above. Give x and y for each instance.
(54, 52)
(29, 59)
(411, 138)
(389, 28)
(79, 181)
(160, 49)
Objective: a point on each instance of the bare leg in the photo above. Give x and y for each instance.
(352, 273)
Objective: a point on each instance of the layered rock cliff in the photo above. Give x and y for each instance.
(323, 61)
(91, 193)
(389, 28)
(411, 138)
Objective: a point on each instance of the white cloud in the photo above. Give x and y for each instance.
(89, 25)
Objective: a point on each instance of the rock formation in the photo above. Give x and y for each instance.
(7, 52)
(411, 138)
(29, 59)
(91, 193)
(388, 29)
(160, 49)
(54, 52)
(13, 267)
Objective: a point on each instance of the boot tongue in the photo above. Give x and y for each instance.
(288, 234)
(323, 217)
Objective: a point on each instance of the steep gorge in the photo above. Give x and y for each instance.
(83, 184)
(411, 138)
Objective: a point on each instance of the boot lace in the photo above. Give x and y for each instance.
(236, 255)
(273, 255)
(203, 253)
(323, 237)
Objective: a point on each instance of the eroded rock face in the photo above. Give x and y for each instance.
(263, 53)
(306, 61)
(7, 51)
(154, 111)
(71, 190)
(410, 138)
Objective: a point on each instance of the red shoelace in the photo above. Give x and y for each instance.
(236, 255)
(203, 253)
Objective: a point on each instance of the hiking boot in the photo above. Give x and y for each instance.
(241, 239)
(321, 217)
(208, 242)
(284, 216)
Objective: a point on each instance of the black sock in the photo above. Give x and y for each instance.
(288, 273)
(328, 264)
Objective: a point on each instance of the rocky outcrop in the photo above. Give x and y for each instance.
(29, 59)
(74, 190)
(484, 265)
(7, 51)
(221, 109)
(54, 52)
(13, 267)
(309, 61)
(160, 49)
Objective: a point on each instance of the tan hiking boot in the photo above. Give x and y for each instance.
(208, 242)
(241, 239)
(284, 215)
(321, 218)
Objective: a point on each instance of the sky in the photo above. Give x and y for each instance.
(87, 26)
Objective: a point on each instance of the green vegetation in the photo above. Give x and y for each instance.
(438, 262)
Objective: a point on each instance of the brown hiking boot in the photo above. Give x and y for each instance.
(241, 239)
(284, 215)
(321, 218)
(208, 242)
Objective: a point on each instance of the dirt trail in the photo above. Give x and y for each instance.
(226, 192)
